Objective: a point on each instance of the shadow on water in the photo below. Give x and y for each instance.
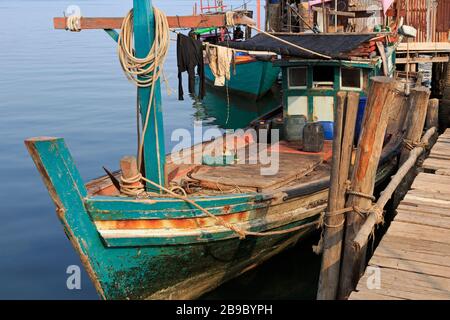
(292, 274)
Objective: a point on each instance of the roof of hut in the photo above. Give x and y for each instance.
(337, 46)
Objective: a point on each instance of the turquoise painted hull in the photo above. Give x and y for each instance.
(252, 79)
(163, 248)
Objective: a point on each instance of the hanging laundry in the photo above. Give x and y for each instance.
(219, 59)
(190, 56)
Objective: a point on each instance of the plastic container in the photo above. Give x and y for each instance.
(278, 124)
(328, 127)
(360, 116)
(293, 127)
(313, 137)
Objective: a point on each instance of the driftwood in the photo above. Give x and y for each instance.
(380, 98)
(334, 227)
(373, 218)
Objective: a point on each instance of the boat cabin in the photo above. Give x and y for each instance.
(310, 85)
(315, 66)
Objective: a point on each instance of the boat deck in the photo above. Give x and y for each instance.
(414, 255)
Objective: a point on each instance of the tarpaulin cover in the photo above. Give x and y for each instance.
(333, 45)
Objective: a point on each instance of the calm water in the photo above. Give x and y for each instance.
(57, 83)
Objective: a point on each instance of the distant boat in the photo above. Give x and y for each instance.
(252, 77)
(235, 112)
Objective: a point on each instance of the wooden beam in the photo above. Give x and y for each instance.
(422, 60)
(425, 46)
(200, 21)
(335, 13)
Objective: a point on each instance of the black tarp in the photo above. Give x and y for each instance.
(334, 45)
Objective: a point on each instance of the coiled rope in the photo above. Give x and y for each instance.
(74, 23)
(144, 72)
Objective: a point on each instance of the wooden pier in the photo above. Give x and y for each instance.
(413, 256)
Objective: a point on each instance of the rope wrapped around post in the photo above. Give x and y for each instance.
(74, 23)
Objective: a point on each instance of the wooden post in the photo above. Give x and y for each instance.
(381, 95)
(154, 151)
(129, 169)
(432, 119)
(364, 233)
(334, 226)
(417, 111)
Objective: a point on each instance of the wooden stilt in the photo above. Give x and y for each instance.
(381, 95)
(417, 111)
(432, 119)
(334, 227)
(328, 280)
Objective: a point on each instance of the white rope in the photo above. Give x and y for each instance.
(74, 23)
(144, 72)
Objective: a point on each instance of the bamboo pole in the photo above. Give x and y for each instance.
(334, 226)
(417, 111)
(373, 219)
(381, 95)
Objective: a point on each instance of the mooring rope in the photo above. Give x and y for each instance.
(133, 187)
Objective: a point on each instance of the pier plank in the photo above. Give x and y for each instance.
(426, 219)
(392, 242)
(414, 254)
(411, 230)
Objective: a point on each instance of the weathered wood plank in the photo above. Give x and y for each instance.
(371, 295)
(198, 21)
(435, 164)
(409, 230)
(426, 219)
(410, 284)
(414, 245)
(413, 266)
(423, 209)
(419, 198)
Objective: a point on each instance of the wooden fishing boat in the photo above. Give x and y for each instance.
(191, 224)
(252, 77)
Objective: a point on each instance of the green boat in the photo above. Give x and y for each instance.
(252, 77)
(176, 228)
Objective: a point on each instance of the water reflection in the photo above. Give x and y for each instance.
(233, 111)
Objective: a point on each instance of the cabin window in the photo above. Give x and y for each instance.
(323, 77)
(297, 105)
(297, 77)
(351, 78)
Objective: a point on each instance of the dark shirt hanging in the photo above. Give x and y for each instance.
(189, 56)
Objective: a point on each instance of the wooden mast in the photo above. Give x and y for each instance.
(154, 150)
